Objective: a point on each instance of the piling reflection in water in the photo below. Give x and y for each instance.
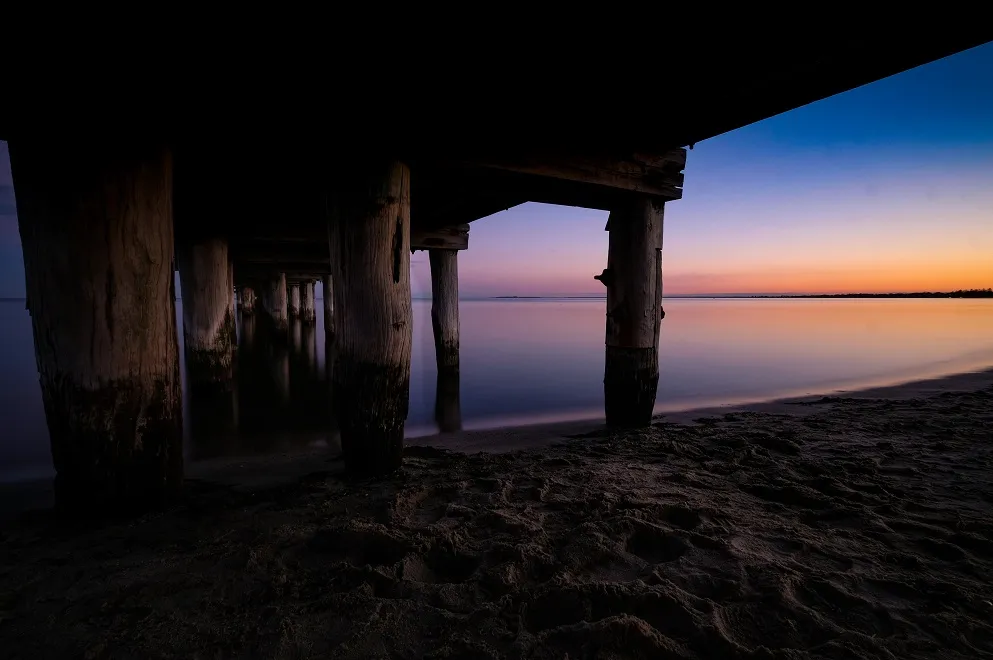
(447, 405)
(277, 398)
(213, 416)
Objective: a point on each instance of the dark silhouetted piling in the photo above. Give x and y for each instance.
(370, 259)
(293, 305)
(96, 229)
(208, 320)
(445, 306)
(634, 311)
(328, 307)
(307, 311)
(274, 303)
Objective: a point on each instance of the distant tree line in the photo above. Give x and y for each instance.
(961, 293)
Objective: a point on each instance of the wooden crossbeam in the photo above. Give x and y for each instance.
(658, 175)
(447, 238)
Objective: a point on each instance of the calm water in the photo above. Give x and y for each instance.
(542, 360)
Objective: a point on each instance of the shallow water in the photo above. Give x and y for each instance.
(542, 360)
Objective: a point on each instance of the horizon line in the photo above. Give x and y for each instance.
(671, 296)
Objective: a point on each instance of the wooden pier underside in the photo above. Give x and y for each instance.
(647, 84)
(446, 196)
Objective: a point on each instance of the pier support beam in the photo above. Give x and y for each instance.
(307, 312)
(445, 307)
(274, 303)
(445, 321)
(634, 311)
(328, 309)
(208, 320)
(96, 230)
(370, 256)
(293, 306)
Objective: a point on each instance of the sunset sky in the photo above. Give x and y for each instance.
(888, 187)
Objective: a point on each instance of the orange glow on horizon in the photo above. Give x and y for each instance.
(896, 277)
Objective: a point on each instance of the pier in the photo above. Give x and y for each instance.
(106, 216)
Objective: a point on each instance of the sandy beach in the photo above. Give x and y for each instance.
(858, 525)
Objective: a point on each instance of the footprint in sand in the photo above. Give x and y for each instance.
(681, 517)
(789, 495)
(360, 544)
(439, 567)
(654, 545)
(848, 611)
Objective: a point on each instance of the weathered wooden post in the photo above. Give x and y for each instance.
(634, 311)
(208, 320)
(445, 307)
(96, 231)
(274, 303)
(293, 306)
(231, 306)
(307, 312)
(445, 322)
(370, 260)
(247, 300)
(328, 309)
(334, 432)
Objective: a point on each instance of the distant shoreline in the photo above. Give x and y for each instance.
(962, 294)
(970, 293)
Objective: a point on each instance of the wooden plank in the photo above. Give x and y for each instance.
(296, 270)
(445, 238)
(658, 175)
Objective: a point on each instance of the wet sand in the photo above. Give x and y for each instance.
(850, 526)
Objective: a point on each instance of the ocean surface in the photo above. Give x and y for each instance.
(538, 360)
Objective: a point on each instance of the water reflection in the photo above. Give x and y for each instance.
(212, 408)
(278, 399)
(447, 404)
(531, 361)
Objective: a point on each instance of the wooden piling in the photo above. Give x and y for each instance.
(208, 320)
(369, 228)
(328, 307)
(96, 230)
(445, 307)
(247, 300)
(634, 311)
(274, 303)
(233, 329)
(293, 306)
(307, 312)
